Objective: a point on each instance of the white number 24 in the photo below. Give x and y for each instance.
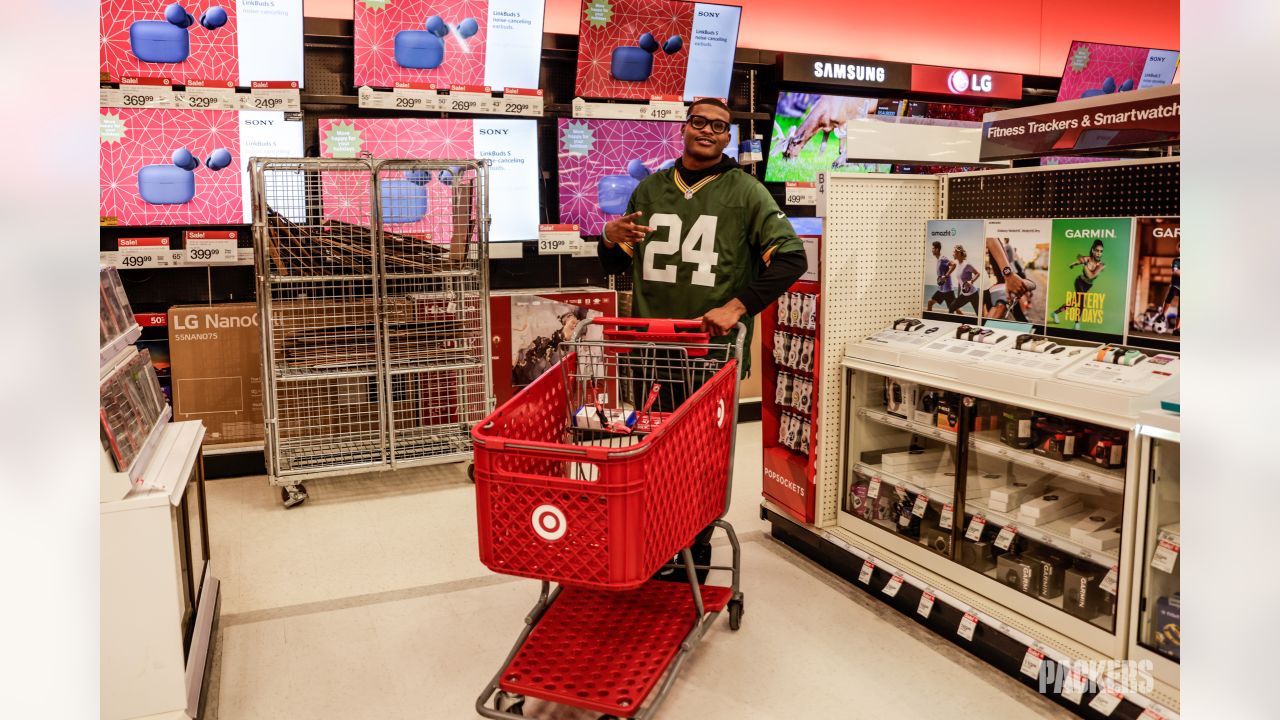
(698, 248)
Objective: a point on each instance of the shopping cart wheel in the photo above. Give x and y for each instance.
(292, 495)
(735, 613)
(509, 702)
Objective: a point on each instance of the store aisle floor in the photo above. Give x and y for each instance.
(368, 601)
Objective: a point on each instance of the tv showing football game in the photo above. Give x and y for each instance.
(182, 40)
(510, 146)
(602, 161)
(1094, 69)
(636, 49)
(185, 167)
(497, 43)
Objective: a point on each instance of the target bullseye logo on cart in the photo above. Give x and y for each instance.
(958, 81)
(549, 522)
(720, 414)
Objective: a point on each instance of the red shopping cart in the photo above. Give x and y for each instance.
(595, 477)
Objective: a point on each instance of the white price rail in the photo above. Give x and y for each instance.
(138, 93)
(427, 97)
(125, 259)
(271, 95)
(1082, 469)
(802, 193)
(657, 109)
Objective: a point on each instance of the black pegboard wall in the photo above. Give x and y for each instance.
(1140, 188)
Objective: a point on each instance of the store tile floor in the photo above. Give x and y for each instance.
(369, 601)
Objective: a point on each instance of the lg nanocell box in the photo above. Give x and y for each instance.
(215, 355)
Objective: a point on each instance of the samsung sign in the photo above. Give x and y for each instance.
(845, 72)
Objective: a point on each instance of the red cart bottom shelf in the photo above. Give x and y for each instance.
(605, 651)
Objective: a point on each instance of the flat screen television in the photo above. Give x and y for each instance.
(635, 49)
(1100, 69)
(213, 41)
(511, 147)
(602, 161)
(497, 43)
(185, 167)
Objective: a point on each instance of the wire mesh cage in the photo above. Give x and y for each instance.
(373, 299)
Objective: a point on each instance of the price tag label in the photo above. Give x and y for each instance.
(802, 193)
(968, 624)
(892, 587)
(208, 95)
(272, 95)
(521, 102)
(926, 604)
(922, 504)
(210, 246)
(367, 97)
(414, 98)
(1106, 702)
(1005, 538)
(672, 110)
(151, 319)
(152, 252)
(137, 94)
(1166, 555)
(873, 489)
(976, 526)
(948, 517)
(1032, 662)
(1073, 687)
(1150, 714)
(559, 240)
(1112, 580)
(868, 566)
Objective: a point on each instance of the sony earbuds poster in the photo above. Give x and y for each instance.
(636, 49)
(1089, 274)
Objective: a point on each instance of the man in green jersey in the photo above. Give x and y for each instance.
(704, 240)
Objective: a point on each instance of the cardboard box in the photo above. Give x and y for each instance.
(215, 355)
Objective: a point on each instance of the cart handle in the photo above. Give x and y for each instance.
(659, 330)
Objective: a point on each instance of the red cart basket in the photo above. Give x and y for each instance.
(593, 477)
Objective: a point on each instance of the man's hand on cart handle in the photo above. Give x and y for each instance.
(721, 320)
(624, 230)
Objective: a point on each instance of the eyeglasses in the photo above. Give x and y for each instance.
(698, 122)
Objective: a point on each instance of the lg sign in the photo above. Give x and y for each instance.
(961, 82)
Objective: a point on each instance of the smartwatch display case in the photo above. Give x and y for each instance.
(1156, 625)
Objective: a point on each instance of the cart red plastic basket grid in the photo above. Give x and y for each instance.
(600, 512)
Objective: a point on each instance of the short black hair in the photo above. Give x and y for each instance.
(714, 102)
(937, 245)
(1097, 244)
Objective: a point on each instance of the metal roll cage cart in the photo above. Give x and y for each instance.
(372, 285)
(594, 477)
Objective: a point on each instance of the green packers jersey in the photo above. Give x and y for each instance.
(710, 241)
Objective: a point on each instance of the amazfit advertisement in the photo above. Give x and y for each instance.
(953, 268)
(635, 49)
(1089, 274)
(448, 42)
(214, 41)
(185, 167)
(509, 145)
(1099, 69)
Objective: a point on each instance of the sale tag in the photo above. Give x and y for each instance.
(1150, 714)
(1166, 555)
(410, 98)
(208, 95)
(272, 95)
(922, 504)
(1106, 702)
(151, 319)
(469, 99)
(873, 489)
(802, 193)
(559, 240)
(1073, 687)
(976, 526)
(137, 96)
(926, 604)
(1112, 580)
(1032, 662)
(968, 624)
(892, 587)
(1005, 538)
(144, 252)
(210, 246)
(521, 102)
(948, 517)
(864, 577)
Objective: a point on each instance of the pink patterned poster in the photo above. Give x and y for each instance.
(497, 43)
(184, 167)
(602, 161)
(417, 203)
(1099, 69)
(184, 40)
(635, 49)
